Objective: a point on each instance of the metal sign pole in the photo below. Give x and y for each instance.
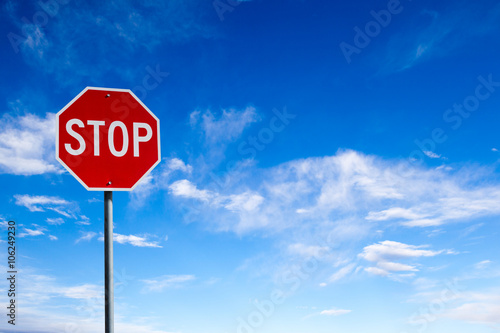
(108, 263)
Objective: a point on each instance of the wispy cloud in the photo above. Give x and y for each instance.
(129, 28)
(334, 312)
(83, 220)
(349, 184)
(167, 282)
(338, 201)
(307, 251)
(82, 304)
(184, 188)
(139, 241)
(437, 33)
(341, 273)
(457, 205)
(41, 203)
(217, 130)
(244, 203)
(86, 236)
(227, 127)
(38, 231)
(173, 167)
(482, 264)
(135, 240)
(160, 178)
(477, 308)
(385, 255)
(27, 145)
(431, 154)
(55, 221)
(452, 299)
(174, 164)
(3, 223)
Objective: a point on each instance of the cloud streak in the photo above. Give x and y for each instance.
(334, 312)
(138, 241)
(167, 282)
(129, 28)
(27, 145)
(437, 33)
(42, 203)
(227, 127)
(370, 190)
(386, 254)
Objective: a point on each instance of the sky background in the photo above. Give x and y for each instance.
(327, 166)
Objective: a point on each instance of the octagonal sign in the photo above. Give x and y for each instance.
(107, 139)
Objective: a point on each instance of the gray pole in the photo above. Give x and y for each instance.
(108, 263)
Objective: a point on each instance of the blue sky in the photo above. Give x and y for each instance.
(326, 166)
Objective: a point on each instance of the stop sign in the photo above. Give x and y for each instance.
(108, 139)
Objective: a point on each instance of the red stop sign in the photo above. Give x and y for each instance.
(108, 139)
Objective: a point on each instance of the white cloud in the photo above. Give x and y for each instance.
(394, 213)
(307, 251)
(184, 188)
(129, 29)
(441, 33)
(194, 117)
(471, 229)
(55, 221)
(134, 240)
(227, 127)
(478, 313)
(143, 191)
(384, 254)
(84, 220)
(390, 250)
(160, 178)
(243, 202)
(84, 291)
(27, 145)
(456, 205)
(337, 202)
(41, 320)
(349, 184)
(82, 303)
(39, 203)
(453, 301)
(174, 164)
(31, 232)
(38, 231)
(431, 154)
(3, 223)
(377, 271)
(166, 282)
(53, 238)
(395, 266)
(139, 241)
(482, 264)
(341, 273)
(246, 201)
(86, 236)
(334, 312)
(424, 283)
